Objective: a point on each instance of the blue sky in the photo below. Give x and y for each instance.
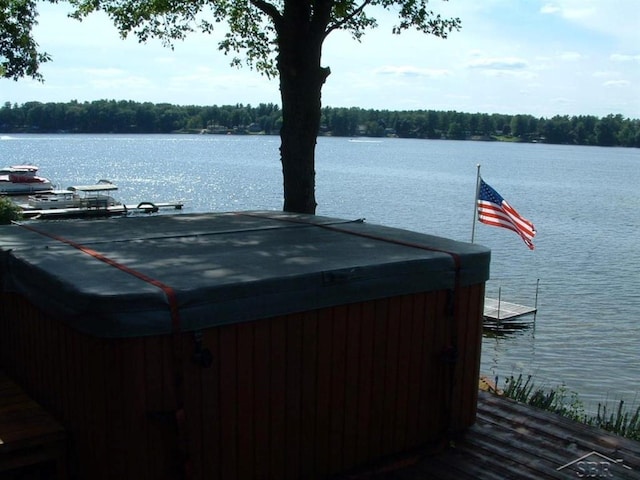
(544, 58)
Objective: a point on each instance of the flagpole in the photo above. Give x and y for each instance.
(475, 204)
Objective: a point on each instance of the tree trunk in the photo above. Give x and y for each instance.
(301, 80)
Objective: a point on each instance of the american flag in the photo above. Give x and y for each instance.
(494, 210)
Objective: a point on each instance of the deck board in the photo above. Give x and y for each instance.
(28, 434)
(515, 441)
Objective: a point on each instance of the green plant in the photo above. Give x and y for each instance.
(9, 211)
(621, 421)
(556, 400)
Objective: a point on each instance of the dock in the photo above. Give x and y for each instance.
(496, 310)
(503, 316)
(516, 441)
(107, 211)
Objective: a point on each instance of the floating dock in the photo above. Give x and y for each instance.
(496, 310)
(508, 316)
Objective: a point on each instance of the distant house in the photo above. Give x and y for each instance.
(254, 128)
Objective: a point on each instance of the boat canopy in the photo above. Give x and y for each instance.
(53, 192)
(20, 169)
(99, 187)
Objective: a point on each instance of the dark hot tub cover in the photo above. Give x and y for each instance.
(151, 275)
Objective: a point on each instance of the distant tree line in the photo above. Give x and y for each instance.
(111, 116)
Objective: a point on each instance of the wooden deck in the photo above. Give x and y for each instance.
(32, 443)
(509, 441)
(515, 441)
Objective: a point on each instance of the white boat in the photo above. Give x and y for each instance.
(22, 180)
(85, 201)
(77, 197)
(54, 199)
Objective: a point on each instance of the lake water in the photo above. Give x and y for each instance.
(584, 201)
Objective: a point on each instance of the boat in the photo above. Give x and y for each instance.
(22, 180)
(76, 197)
(85, 201)
(54, 199)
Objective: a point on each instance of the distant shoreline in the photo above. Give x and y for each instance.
(128, 117)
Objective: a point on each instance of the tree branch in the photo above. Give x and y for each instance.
(270, 10)
(347, 19)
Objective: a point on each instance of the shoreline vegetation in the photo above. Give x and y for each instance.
(9, 211)
(127, 117)
(619, 418)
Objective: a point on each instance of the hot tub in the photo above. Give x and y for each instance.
(241, 345)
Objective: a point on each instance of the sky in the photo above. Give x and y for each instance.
(542, 58)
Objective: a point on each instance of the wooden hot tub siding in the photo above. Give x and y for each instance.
(299, 396)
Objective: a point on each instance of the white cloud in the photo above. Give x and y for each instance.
(617, 83)
(505, 69)
(105, 72)
(606, 74)
(549, 8)
(121, 85)
(618, 57)
(571, 56)
(504, 63)
(165, 60)
(579, 13)
(411, 71)
(616, 18)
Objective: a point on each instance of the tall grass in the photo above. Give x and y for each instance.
(620, 421)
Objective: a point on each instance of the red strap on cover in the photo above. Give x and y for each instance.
(168, 291)
(180, 416)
